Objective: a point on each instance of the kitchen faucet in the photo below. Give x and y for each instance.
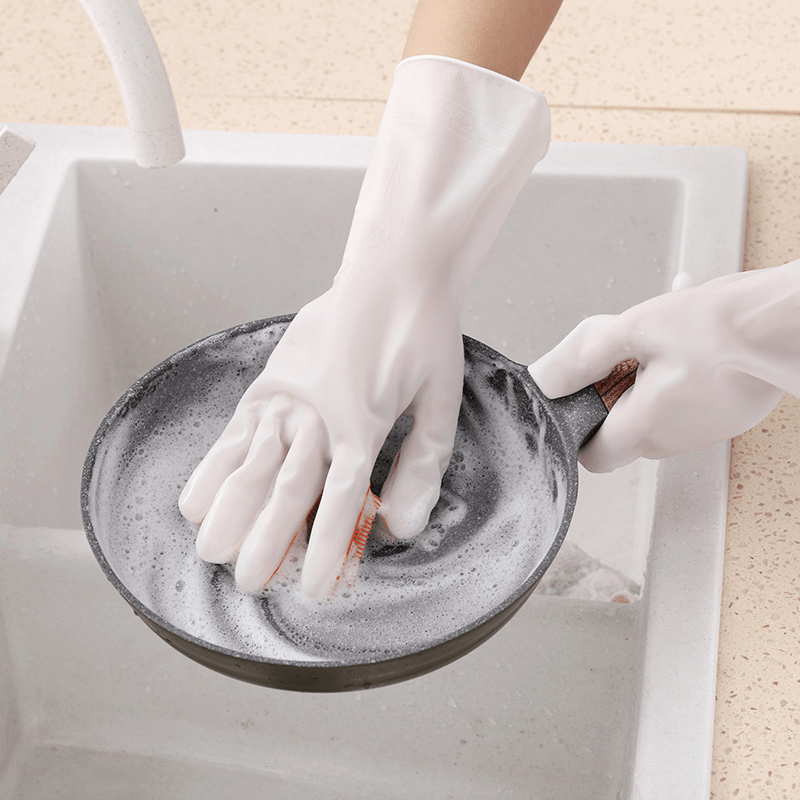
(142, 79)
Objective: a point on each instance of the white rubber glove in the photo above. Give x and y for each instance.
(455, 146)
(714, 360)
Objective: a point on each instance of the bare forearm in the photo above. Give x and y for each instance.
(500, 35)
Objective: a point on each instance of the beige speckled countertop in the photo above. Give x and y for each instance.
(620, 71)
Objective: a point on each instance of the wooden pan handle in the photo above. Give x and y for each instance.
(613, 385)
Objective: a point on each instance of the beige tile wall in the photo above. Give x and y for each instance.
(676, 72)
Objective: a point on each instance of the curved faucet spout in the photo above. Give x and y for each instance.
(142, 80)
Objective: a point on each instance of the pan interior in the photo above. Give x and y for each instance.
(503, 502)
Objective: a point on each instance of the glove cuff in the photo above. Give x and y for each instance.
(487, 108)
(455, 146)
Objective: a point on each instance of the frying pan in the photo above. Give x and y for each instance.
(506, 503)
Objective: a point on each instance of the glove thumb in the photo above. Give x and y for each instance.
(414, 482)
(587, 354)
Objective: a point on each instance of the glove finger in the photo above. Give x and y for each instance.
(346, 486)
(241, 495)
(226, 455)
(587, 354)
(652, 421)
(617, 441)
(297, 488)
(412, 489)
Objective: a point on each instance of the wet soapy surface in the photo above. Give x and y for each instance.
(503, 498)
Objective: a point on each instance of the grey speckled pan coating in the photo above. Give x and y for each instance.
(507, 500)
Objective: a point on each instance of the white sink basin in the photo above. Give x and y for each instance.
(108, 268)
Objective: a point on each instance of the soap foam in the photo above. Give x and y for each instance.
(502, 501)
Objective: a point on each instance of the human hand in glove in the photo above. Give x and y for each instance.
(714, 360)
(455, 146)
